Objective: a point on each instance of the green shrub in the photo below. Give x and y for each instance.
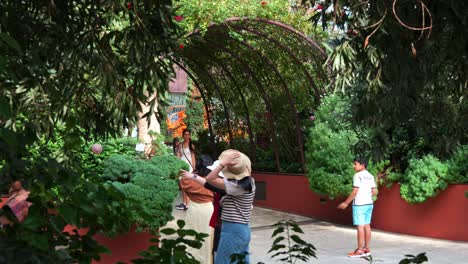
(119, 168)
(93, 164)
(169, 165)
(393, 177)
(329, 160)
(329, 147)
(172, 249)
(158, 146)
(149, 186)
(424, 178)
(458, 166)
(265, 160)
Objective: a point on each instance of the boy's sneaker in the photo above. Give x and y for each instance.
(366, 251)
(358, 253)
(181, 206)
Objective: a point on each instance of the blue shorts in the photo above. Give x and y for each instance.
(362, 214)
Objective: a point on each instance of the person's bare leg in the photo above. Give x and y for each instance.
(360, 236)
(367, 230)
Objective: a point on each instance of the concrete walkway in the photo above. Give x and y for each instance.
(333, 242)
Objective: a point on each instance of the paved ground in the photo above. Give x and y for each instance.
(334, 241)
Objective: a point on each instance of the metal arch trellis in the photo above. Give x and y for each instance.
(278, 24)
(221, 96)
(290, 53)
(192, 76)
(263, 94)
(240, 92)
(209, 118)
(286, 89)
(290, 33)
(242, 25)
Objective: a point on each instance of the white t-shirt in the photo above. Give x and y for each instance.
(186, 155)
(365, 182)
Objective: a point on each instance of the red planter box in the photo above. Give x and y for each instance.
(441, 217)
(123, 248)
(292, 194)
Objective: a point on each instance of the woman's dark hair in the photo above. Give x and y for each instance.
(190, 141)
(174, 141)
(245, 183)
(203, 171)
(8, 213)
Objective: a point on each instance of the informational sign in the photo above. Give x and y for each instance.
(140, 147)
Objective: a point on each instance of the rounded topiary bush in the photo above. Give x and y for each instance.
(149, 186)
(424, 178)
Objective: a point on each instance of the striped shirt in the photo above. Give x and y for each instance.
(237, 204)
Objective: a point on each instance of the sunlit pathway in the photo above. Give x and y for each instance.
(333, 242)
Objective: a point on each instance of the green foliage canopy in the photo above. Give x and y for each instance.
(404, 67)
(83, 66)
(200, 14)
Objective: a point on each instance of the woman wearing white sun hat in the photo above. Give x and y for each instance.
(237, 203)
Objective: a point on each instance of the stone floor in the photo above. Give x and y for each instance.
(334, 241)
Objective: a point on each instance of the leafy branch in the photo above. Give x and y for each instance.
(291, 247)
(173, 250)
(420, 258)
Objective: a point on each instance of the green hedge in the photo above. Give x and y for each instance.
(149, 185)
(332, 145)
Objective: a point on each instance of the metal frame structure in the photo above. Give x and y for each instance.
(223, 62)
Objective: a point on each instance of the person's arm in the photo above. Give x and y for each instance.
(198, 179)
(214, 180)
(193, 157)
(178, 151)
(213, 176)
(374, 189)
(213, 188)
(201, 181)
(351, 197)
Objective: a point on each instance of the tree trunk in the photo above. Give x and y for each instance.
(144, 126)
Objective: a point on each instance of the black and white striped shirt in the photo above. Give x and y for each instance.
(237, 204)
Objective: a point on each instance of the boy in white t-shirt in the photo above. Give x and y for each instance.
(363, 190)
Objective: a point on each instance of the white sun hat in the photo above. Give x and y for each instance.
(214, 166)
(240, 168)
